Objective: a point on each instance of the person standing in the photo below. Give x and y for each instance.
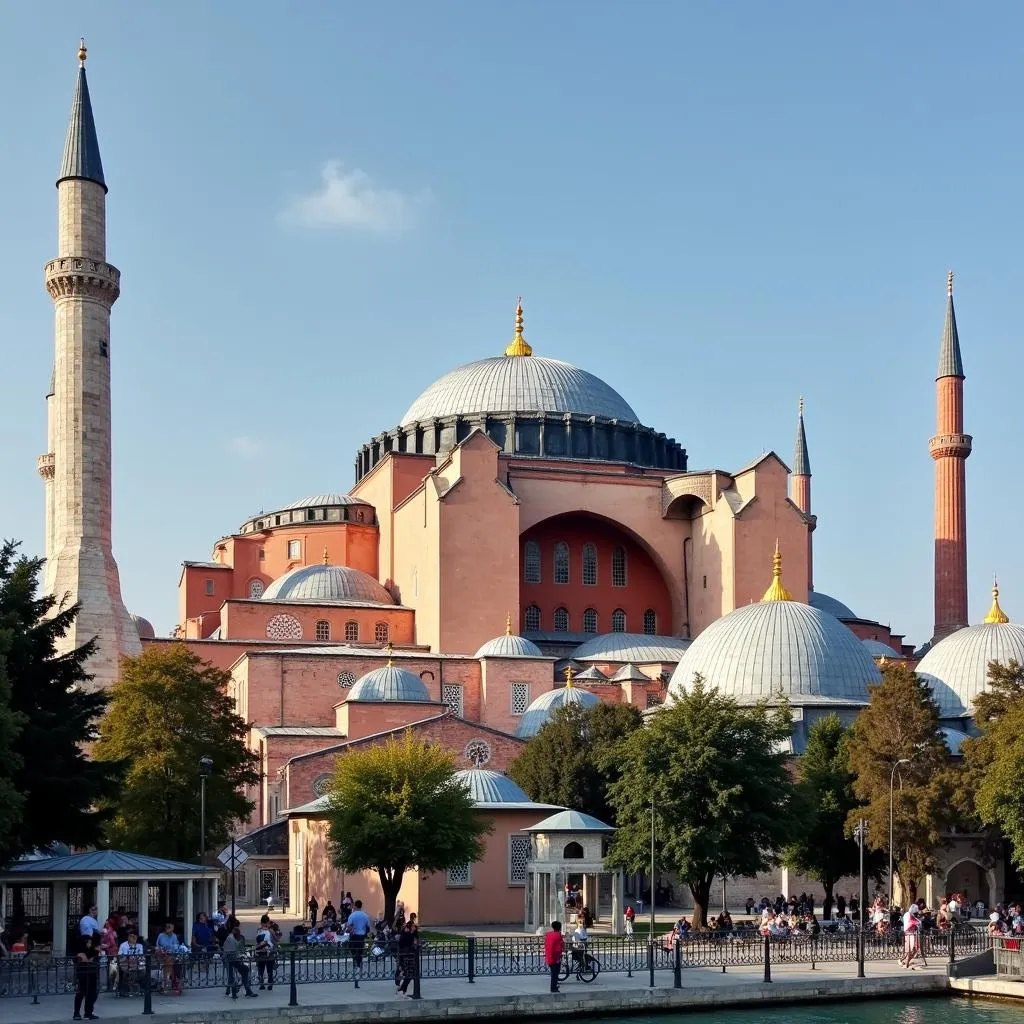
(408, 942)
(630, 916)
(88, 926)
(358, 927)
(554, 950)
(266, 953)
(313, 907)
(233, 952)
(86, 978)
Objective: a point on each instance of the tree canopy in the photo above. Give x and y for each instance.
(822, 849)
(48, 719)
(168, 711)
(399, 805)
(902, 721)
(575, 758)
(717, 776)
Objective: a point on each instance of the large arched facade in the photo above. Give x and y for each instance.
(581, 573)
(973, 880)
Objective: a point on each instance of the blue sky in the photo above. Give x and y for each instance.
(319, 208)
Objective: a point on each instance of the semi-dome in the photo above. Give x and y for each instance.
(539, 713)
(639, 648)
(389, 683)
(779, 647)
(956, 668)
(327, 584)
(143, 627)
(508, 645)
(879, 650)
(825, 603)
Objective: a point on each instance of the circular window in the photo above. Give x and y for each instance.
(346, 679)
(477, 753)
(284, 627)
(321, 784)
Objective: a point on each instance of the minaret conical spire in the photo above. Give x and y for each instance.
(81, 146)
(950, 363)
(801, 460)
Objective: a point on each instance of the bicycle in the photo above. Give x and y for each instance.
(580, 962)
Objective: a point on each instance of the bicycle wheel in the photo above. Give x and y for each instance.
(563, 970)
(588, 970)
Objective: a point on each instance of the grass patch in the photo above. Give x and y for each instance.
(428, 936)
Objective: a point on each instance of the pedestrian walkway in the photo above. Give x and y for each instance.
(523, 995)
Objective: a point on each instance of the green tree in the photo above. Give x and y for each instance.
(993, 763)
(11, 801)
(398, 806)
(57, 715)
(822, 849)
(575, 758)
(168, 711)
(902, 721)
(718, 779)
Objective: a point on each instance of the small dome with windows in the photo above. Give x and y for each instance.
(539, 713)
(508, 645)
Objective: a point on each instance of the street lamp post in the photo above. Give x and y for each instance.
(861, 834)
(892, 780)
(650, 938)
(205, 767)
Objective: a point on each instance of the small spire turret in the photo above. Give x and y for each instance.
(519, 346)
(950, 363)
(81, 145)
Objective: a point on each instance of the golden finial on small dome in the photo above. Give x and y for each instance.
(519, 346)
(390, 648)
(949, 284)
(325, 555)
(777, 592)
(81, 52)
(508, 624)
(995, 613)
(569, 675)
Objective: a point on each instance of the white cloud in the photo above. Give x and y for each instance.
(351, 199)
(246, 447)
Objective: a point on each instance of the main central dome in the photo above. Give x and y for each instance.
(519, 384)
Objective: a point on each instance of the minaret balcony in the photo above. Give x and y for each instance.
(44, 466)
(78, 277)
(944, 446)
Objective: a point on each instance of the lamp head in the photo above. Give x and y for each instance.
(205, 766)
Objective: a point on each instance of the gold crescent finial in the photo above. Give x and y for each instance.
(81, 52)
(800, 405)
(519, 346)
(949, 284)
(996, 615)
(569, 675)
(390, 648)
(777, 592)
(508, 624)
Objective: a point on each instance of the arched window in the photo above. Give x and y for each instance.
(351, 632)
(561, 562)
(619, 566)
(322, 630)
(590, 565)
(590, 621)
(255, 589)
(381, 632)
(531, 562)
(561, 620)
(531, 619)
(650, 622)
(572, 851)
(618, 621)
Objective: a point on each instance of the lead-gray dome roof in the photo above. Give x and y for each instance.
(389, 683)
(508, 645)
(879, 650)
(323, 499)
(488, 788)
(956, 668)
(519, 384)
(779, 647)
(327, 584)
(539, 713)
(825, 603)
(143, 627)
(639, 648)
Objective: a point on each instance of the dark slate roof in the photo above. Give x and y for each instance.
(950, 364)
(81, 147)
(103, 861)
(801, 460)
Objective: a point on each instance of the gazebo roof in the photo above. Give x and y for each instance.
(570, 821)
(103, 862)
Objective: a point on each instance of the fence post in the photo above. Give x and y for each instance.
(814, 949)
(952, 947)
(650, 958)
(33, 983)
(471, 953)
(630, 953)
(677, 967)
(860, 952)
(293, 995)
(416, 976)
(147, 987)
(767, 960)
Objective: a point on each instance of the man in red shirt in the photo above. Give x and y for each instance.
(554, 948)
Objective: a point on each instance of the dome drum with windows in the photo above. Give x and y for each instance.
(529, 406)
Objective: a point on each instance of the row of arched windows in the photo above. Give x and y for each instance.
(561, 622)
(381, 632)
(561, 567)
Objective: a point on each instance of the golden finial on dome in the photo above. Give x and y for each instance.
(995, 613)
(949, 284)
(508, 624)
(569, 675)
(390, 648)
(519, 346)
(81, 52)
(777, 592)
(325, 555)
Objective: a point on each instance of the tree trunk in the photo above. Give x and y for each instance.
(390, 884)
(701, 892)
(826, 907)
(911, 892)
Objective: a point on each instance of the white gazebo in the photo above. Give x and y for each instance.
(50, 894)
(568, 843)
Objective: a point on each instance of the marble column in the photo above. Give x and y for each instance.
(190, 912)
(59, 914)
(617, 908)
(144, 910)
(102, 900)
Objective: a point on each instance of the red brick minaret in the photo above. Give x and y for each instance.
(949, 448)
(800, 488)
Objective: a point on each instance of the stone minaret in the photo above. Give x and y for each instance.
(80, 564)
(949, 448)
(800, 488)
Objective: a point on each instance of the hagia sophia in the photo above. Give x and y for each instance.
(521, 540)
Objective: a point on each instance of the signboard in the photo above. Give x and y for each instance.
(232, 852)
